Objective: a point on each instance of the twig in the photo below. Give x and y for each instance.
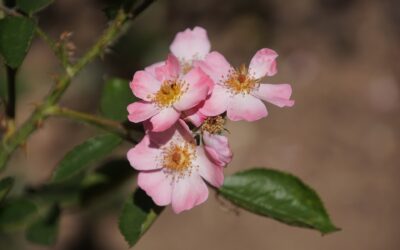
(93, 120)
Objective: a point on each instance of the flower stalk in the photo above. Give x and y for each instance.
(93, 120)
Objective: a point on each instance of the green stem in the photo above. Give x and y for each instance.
(39, 114)
(96, 121)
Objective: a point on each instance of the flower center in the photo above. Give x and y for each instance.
(240, 81)
(170, 92)
(213, 125)
(178, 158)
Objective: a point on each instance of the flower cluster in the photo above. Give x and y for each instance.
(185, 101)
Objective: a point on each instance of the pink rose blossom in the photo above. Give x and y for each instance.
(240, 92)
(173, 170)
(166, 93)
(188, 46)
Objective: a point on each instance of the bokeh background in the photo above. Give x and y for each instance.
(341, 137)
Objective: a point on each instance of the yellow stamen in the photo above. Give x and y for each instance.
(213, 125)
(170, 92)
(178, 158)
(240, 81)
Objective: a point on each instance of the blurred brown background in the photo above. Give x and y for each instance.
(341, 137)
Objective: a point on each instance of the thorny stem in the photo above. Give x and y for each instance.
(39, 114)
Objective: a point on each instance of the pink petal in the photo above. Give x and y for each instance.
(217, 147)
(185, 132)
(156, 185)
(194, 116)
(188, 192)
(263, 63)
(152, 68)
(170, 70)
(198, 84)
(141, 111)
(217, 103)
(144, 85)
(214, 65)
(164, 119)
(246, 107)
(212, 173)
(159, 139)
(179, 128)
(191, 44)
(143, 156)
(278, 94)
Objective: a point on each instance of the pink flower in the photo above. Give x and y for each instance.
(215, 144)
(173, 170)
(239, 91)
(190, 45)
(194, 116)
(166, 93)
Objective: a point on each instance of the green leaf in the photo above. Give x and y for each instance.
(115, 98)
(44, 231)
(5, 187)
(138, 214)
(16, 34)
(16, 213)
(31, 6)
(78, 158)
(278, 195)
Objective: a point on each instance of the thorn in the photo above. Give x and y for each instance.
(66, 35)
(70, 48)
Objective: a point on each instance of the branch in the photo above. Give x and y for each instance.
(39, 114)
(93, 120)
